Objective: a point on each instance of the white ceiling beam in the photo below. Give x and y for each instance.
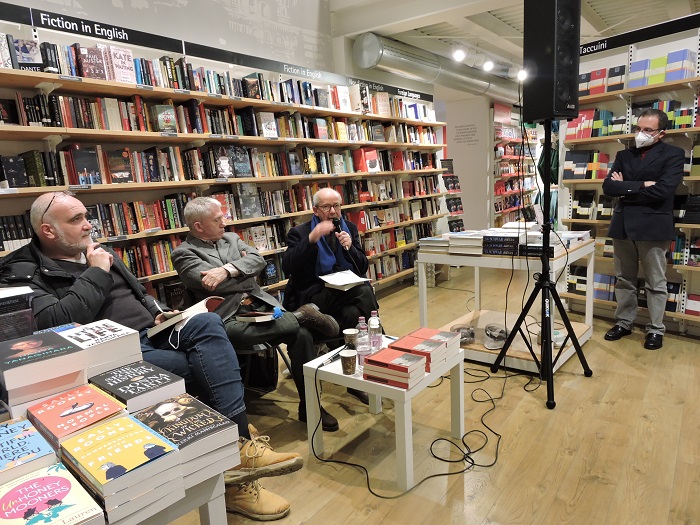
(495, 32)
(592, 25)
(395, 16)
(678, 8)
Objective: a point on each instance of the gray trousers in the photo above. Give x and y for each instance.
(627, 256)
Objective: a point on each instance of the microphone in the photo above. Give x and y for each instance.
(333, 357)
(338, 228)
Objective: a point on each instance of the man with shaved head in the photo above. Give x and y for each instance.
(76, 280)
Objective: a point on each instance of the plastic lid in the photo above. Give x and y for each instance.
(373, 312)
(361, 319)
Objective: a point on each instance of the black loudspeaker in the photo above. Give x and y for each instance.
(551, 59)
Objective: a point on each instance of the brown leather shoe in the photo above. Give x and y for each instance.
(258, 460)
(309, 316)
(255, 502)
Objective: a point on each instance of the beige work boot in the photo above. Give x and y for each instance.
(255, 502)
(258, 460)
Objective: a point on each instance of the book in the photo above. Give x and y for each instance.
(396, 360)
(451, 339)
(138, 385)
(121, 64)
(398, 382)
(8, 112)
(117, 453)
(91, 62)
(73, 411)
(255, 317)
(120, 167)
(13, 172)
(205, 305)
(194, 427)
(25, 360)
(343, 280)
(16, 316)
(22, 450)
(240, 160)
(163, 118)
(48, 495)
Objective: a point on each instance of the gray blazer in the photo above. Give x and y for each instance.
(195, 255)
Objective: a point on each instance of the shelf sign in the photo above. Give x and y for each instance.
(115, 238)
(215, 136)
(153, 230)
(214, 95)
(231, 137)
(7, 191)
(144, 86)
(183, 91)
(221, 179)
(168, 134)
(80, 187)
(71, 78)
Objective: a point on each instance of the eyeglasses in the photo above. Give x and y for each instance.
(648, 130)
(327, 207)
(65, 193)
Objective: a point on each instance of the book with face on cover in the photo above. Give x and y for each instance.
(138, 385)
(48, 495)
(22, 450)
(73, 411)
(190, 424)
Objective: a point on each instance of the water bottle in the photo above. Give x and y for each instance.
(375, 332)
(362, 344)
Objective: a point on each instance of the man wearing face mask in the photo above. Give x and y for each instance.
(644, 179)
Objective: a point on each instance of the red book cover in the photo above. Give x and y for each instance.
(358, 159)
(396, 360)
(72, 411)
(419, 346)
(386, 381)
(397, 160)
(435, 335)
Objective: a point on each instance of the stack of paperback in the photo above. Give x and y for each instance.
(207, 440)
(48, 495)
(127, 467)
(22, 450)
(395, 368)
(502, 242)
(434, 345)
(16, 316)
(36, 367)
(467, 242)
(73, 411)
(139, 385)
(434, 244)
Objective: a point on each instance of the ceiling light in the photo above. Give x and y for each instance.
(513, 71)
(488, 65)
(459, 54)
(478, 60)
(522, 75)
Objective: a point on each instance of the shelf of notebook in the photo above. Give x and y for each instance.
(404, 223)
(685, 84)
(391, 278)
(575, 182)
(398, 249)
(623, 137)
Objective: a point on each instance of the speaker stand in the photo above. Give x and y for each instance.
(547, 288)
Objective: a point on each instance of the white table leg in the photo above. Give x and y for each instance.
(213, 511)
(404, 446)
(477, 290)
(422, 294)
(457, 400)
(313, 416)
(375, 404)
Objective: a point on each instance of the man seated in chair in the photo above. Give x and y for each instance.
(214, 262)
(326, 244)
(76, 280)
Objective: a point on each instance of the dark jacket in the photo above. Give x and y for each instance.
(61, 298)
(299, 264)
(645, 214)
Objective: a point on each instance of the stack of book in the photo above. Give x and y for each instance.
(16, 316)
(468, 242)
(207, 440)
(36, 367)
(502, 242)
(76, 410)
(434, 244)
(139, 385)
(128, 468)
(434, 345)
(48, 495)
(395, 368)
(22, 450)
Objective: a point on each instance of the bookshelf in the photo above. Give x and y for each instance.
(407, 158)
(605, 126)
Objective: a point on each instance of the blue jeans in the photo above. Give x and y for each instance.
(204, 358)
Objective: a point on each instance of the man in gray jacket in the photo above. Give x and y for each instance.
(215, 262)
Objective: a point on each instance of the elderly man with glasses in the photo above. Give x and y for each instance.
(644, 180)
(327, 243)
(76, 280)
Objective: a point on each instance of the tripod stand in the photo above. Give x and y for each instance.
(544, 285)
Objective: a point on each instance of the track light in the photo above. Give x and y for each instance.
(459, 54)
(522, 75)
(488, 65)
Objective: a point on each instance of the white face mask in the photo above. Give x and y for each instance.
(643, 140)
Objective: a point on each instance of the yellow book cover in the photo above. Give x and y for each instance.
(107, 452)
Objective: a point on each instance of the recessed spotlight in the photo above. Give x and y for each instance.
(522, 75)
(488, 65)
(459, 54)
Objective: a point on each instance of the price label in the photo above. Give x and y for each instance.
(115, 238)
(71, 78)
(234, 98)
(7, 191)
(153, 230)
(182, 91)
(144, 86)
(215, 136)
(168, 134)
(80, 187)
(221, 179)
(214, 95)
(231, 137)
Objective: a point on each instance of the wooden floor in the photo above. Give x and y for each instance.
(621, 447)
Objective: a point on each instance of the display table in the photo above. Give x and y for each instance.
(518, 356)
(402, 398)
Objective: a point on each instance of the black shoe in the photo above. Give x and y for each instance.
(309, 316)
(616, 332)
(328, 422)
(359, 394)
(653, 341)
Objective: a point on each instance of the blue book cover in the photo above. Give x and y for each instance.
(21, 444)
